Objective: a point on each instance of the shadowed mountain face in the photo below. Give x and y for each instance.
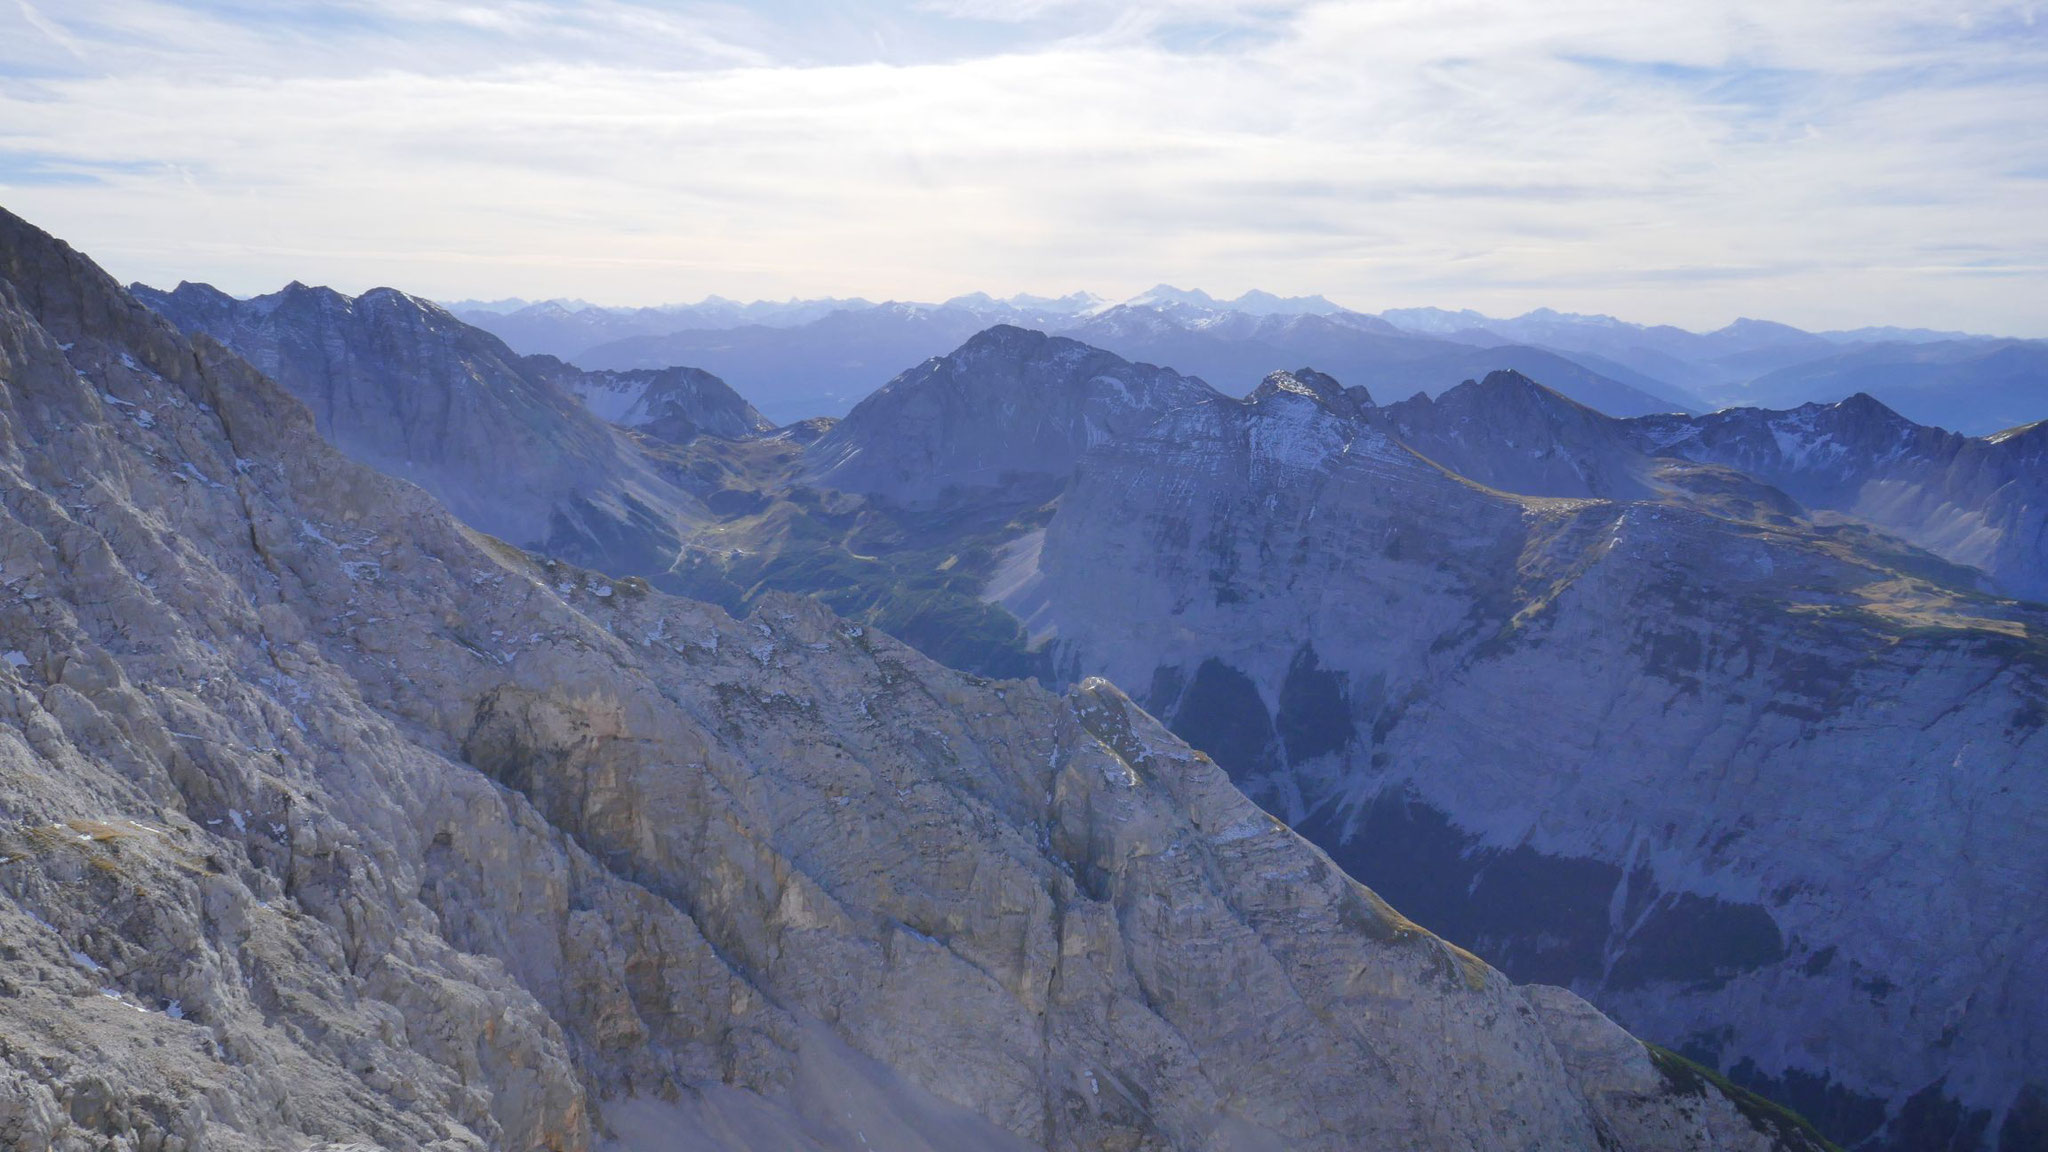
(1980, 502)
(520, 447)
(1511, 433)
(1010, 409)
(330, 823)
(1977, 502)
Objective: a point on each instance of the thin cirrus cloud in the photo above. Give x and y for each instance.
(1819, 163)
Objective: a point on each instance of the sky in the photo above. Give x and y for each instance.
(1827, 164)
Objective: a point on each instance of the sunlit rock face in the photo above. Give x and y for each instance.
(325, 820)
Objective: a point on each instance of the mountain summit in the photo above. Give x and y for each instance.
(1011, 407)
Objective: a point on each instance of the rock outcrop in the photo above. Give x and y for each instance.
(1976, 501)
(673, 404)
(1509, 432)
(402, 386)
(326, 821)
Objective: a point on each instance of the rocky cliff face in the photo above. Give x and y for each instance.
(326, 821)
(1981, 502)
(1511, 433)
(401, 385)
(1761, 786)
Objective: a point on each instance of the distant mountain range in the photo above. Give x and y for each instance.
(824, 366)
(820, 367)
(802, 358)
(1971, 384)
(1234, 350)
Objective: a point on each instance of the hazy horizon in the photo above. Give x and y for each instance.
(482, 304)
(1817, 165)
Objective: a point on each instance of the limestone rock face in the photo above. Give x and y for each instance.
(1511, 433)
(325, 821)
(399, 384)
(1765, 788)
(1976, 501)
(1980, 502)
